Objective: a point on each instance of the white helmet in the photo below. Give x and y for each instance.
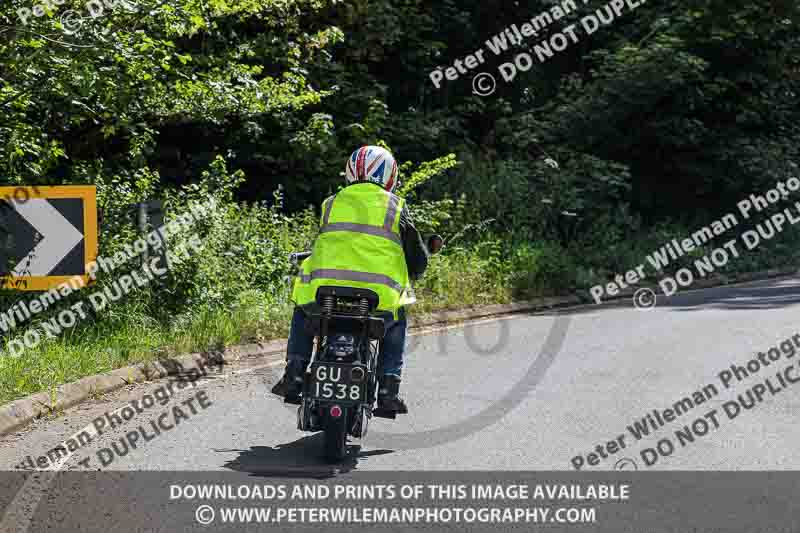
(375, 164)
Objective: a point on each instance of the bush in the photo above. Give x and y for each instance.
(541, 269)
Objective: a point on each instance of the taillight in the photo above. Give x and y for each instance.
(336, 411)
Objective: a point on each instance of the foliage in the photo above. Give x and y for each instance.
(659, 123)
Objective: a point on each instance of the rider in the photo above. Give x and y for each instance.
(366, 240)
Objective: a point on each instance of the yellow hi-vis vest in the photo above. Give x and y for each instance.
(358, 246)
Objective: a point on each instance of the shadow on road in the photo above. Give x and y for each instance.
(299, 459)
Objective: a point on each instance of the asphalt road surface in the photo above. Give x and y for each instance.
(533, 392)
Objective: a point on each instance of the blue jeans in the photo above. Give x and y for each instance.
(301, 344)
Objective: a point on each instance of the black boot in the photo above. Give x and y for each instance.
(389, 400)
(291, 384)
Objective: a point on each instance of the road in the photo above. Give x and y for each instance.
(534, 392)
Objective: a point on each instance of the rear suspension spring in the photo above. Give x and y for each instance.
(328, 303)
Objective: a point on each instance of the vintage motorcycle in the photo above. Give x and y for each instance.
(340, 386)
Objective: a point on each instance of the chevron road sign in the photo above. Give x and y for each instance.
(47, 235)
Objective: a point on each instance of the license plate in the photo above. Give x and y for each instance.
(336, 383)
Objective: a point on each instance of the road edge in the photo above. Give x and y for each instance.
(20, 413)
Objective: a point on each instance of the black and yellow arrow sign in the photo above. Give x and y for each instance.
(48, 235)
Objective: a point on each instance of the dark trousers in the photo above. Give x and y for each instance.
(301, 344)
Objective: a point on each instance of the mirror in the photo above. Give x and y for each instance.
(435, 243)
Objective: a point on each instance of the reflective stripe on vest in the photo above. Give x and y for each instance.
(328, 207)
(391, 213)
(351, 275)
(362, 228)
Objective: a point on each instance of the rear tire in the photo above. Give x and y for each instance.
(335, 447)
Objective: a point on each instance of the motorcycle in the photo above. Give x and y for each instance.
(340, 385)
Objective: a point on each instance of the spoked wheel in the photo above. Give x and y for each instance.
(335, 439)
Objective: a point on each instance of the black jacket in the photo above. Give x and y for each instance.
(414, 248)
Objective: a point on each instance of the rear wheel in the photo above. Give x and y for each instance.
(335, 447)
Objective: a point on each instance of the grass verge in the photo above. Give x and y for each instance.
(129, 335)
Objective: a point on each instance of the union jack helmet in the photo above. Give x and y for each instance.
(375, 164)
